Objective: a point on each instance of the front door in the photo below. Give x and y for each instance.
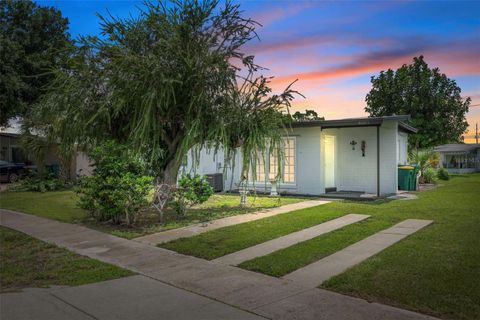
(329, 161)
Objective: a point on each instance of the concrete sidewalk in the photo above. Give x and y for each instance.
(135, 297)
(193, 230)
(289, 240)
(264, 295)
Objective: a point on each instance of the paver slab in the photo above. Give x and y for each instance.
(190, 231)
(316, 273)
(288, 240)
(271, 297)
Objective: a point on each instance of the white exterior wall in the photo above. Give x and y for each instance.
(402, 148)
(308, 165)
(83, 165)
(352, 171)
(389, 157)
(355, 172)
(209, 162)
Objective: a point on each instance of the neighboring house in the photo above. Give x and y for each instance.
(12, 151)
(359, 154)
(460, 158)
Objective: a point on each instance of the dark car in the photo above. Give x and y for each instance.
(11, 172)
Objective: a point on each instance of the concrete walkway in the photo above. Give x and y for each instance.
(316, 273)
(135, 297)
(169, 235)
(265, 248)
(264, 295)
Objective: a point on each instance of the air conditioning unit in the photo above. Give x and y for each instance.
(216, 181)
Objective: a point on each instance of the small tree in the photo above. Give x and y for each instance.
(307, 116)
(427, 160)
(118, 188)
(191, 190)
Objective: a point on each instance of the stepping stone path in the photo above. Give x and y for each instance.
(265, 248)
(316, 273)
(190, 231)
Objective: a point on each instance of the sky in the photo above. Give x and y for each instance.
(333, 48)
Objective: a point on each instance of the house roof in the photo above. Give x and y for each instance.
(457, 147)
(10, 134)
(357, 122)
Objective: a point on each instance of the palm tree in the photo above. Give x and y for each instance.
(425, 159)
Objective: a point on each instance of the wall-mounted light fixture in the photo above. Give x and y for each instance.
(353, 143)
(364, 146)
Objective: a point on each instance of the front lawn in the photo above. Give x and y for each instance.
(62, 206)
(26, 262)
(435, 271)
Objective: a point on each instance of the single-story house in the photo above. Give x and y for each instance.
(320, 156)
(460, 158)
(11, 151)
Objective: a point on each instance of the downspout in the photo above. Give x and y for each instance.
(378, 160)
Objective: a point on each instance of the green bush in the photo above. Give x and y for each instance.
(443, 174)
(118, 188)
(40, 183)
(191, 190)
(429, 175)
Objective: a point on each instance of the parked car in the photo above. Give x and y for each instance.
(11, 172)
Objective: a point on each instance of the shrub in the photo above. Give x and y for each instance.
(191, 191)
(443, 174)
(429, 175)
(40, 183)
(118, 188)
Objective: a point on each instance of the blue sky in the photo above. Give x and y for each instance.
(334, 47)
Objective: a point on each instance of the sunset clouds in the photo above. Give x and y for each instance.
(334, 47)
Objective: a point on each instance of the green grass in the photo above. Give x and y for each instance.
(57, 205)
(217, 243)
(62, 206)
(435, 271)
(26, 262)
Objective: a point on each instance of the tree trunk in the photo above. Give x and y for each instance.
(170, 173)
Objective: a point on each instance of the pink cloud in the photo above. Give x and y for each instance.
(457, 61)
(297, 42)
(276, 13)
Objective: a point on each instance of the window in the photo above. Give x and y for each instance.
(18, 155)
(260, 168)
(3, 154)
(288, 164)
(289, 161)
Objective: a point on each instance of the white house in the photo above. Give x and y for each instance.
(320, 156)
(460, 158)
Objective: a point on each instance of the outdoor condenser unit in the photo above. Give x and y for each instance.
(216, 181)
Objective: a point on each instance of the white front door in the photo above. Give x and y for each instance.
(329, 161)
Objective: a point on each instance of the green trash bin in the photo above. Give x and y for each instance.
(405, 177)
(53, 169)
(413, 182)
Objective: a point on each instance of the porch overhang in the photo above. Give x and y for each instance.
(357, 122)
